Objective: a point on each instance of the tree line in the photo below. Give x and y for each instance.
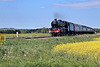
(97, 30)
(24, 31)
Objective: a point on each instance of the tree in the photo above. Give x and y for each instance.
(43, 30)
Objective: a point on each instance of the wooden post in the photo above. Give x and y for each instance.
(4, 38)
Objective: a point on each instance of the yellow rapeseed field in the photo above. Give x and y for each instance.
(97, 39)
(89, 49)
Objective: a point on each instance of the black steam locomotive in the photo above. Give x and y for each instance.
(62, 28)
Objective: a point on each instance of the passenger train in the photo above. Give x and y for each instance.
(62, 28)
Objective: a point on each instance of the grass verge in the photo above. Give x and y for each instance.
(38, 53)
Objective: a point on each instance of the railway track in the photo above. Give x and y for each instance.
(42, 37)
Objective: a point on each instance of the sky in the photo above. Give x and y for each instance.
(32, 14)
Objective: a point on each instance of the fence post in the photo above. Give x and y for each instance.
(17, 34)
(4, 38)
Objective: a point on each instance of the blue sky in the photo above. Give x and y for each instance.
(30, 14)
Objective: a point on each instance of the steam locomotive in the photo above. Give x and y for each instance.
(62, 28)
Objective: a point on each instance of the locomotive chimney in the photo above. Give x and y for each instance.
(55, 19)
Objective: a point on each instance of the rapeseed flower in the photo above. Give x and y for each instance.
(89, 50)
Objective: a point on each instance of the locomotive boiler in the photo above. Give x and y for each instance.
(61, 28)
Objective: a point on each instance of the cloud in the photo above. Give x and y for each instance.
(89, 4)
(7, 0)
(42, 7)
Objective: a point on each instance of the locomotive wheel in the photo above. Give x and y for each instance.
(53, 34)
(59, 34)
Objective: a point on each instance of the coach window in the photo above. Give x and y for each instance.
(80, 28)
(76, 27)
(84, 29)
(88, 29)
(71, 27)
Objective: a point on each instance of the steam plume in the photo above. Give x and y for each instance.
(58, 16)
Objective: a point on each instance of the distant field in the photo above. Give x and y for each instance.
(42, 52)
(27, 35)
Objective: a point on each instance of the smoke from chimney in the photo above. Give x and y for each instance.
(58, 16)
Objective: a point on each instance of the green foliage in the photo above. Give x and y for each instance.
(97, 30)
(44, 30)
(24, 31)
(37, 53)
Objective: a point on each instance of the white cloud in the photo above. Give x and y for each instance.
(7, 0)
(42, 7)
(89, 4)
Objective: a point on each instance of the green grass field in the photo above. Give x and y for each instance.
(38, 53)
(27, 35)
